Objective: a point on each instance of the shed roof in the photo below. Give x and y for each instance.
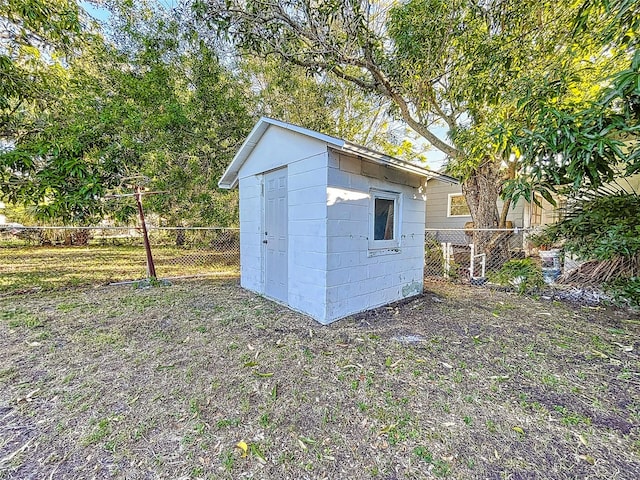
(230, 177)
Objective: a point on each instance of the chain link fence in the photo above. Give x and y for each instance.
(54, 257)
(66, 256)
(451, 254)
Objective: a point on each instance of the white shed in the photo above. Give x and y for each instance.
(327, 227)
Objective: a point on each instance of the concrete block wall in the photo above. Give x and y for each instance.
(332, 271)
(306, 162)
(307, 183)
(359, 278)
(251, 253)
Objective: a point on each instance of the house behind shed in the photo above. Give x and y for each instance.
(327, 227)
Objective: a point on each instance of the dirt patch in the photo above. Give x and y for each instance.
(205, 380)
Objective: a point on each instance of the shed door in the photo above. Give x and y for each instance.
(275, 234)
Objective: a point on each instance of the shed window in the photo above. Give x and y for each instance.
(385, 224)
(458, 206)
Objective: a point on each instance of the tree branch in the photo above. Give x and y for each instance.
(386, 88)
(314, 51)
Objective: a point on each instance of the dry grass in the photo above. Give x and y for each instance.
(47, 268)
(463, 383)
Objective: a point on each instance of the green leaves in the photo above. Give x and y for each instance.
(601, 226)
(522, 274)
(158, 103)
(589, 147)
(582, 132)
(33, 27)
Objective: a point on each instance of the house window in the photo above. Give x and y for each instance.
(536, 211)
(544, 213)
(385, 224)
(458, 206)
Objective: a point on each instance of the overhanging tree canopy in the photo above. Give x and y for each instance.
(462, 64)
(157, 103)
(36, 35)
(583, 145)
(158, 97)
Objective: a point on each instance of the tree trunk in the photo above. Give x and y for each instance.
(180, 237)
(510, 175)
(481, 191)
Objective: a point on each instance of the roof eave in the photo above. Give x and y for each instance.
(393, 162)
(229, 179)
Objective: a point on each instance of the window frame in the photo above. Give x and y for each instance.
(449, 214)
(396, 197)
(536, 211)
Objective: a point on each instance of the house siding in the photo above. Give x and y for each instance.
(437, 208)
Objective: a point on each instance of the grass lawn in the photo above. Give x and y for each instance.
(205, 380)
(47, 268)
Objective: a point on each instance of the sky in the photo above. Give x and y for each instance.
(97, 13)
(102, 14)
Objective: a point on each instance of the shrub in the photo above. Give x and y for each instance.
(625, 291)
(542, 239)
(601, 226)
(522, 274)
